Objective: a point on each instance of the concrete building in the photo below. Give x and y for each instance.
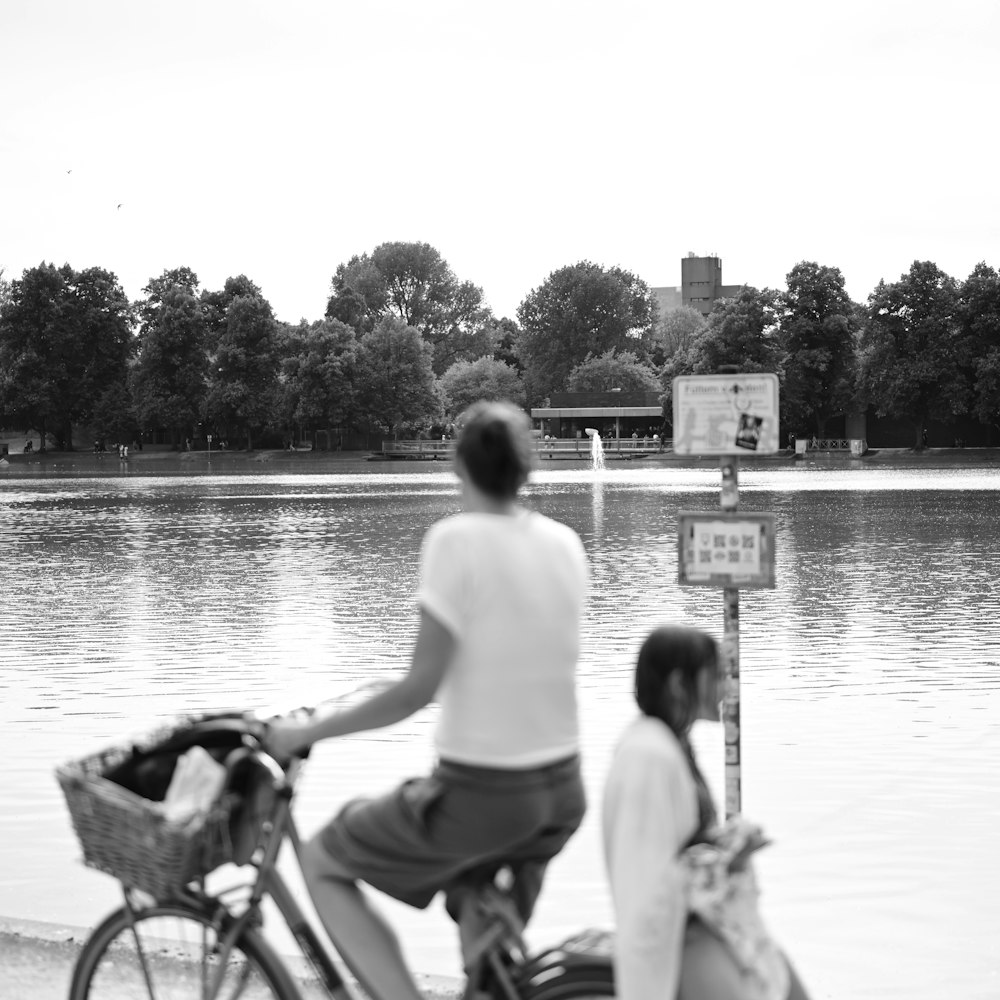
(701, 286)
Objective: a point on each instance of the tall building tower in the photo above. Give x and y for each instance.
(701, 286)
(701, 283)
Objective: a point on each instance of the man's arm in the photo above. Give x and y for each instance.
(432, 656)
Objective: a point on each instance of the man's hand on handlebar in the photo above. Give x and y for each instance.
(292, 734)
(288, 736)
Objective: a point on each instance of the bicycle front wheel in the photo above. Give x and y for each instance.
(173, 953)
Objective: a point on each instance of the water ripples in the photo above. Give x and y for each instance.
(870, 674)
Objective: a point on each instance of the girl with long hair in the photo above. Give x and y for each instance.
(683, 890)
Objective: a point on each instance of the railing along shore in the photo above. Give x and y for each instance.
(577, 449)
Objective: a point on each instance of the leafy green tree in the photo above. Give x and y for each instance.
(505, 335)
(979, 317)
(114, 417)
(678, 329)
(465, 382)
(414, 283)
(216, 304)
(819, 327)
(65, 337)
(243, 377)
(168, 380)
(156, 288)
(914, 358)
(34, 350)
(319, 373)
(580, 310)
(359, 294)
(396, 386)
(106, 347)
(741, 331)
(105, 317)
(613, 371)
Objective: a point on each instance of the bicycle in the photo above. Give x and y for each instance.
(174, 939)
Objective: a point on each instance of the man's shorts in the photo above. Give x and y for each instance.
(433, 833)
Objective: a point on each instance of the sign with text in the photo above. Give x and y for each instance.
(726, 414)
(725, 549)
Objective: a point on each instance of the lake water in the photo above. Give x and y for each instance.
(870, 679)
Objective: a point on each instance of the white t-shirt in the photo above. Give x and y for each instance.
(649, 814)
(511, 590)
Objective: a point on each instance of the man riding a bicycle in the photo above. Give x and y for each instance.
(501, 596)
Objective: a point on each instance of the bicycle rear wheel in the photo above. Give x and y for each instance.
(572, 983)
(171, 952)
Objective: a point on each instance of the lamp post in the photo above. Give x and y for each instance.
(618, 420)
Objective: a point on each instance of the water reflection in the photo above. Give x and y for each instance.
(870, 677)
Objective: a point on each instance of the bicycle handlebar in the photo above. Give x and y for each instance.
(252, 727)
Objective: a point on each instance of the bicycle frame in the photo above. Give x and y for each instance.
(269, 882)
(310, 943)
(500, 949)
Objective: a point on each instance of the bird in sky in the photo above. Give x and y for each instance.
(120, 204)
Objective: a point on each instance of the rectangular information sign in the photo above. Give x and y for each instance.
(725, 549)
(726, 414)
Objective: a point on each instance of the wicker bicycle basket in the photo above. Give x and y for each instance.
(129, 836)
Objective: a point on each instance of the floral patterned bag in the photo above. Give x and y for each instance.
(722, 891)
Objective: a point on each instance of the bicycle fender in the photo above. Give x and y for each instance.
(557, 961)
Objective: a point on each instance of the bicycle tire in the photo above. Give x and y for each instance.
(165, 953)
(573, 983)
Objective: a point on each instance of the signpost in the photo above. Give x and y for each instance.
(726, 549)
(727, 415)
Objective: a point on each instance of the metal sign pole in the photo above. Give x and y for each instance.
(729, 500)
(728, 414)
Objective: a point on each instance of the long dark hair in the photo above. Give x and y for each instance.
(494, 446)
(686, 652)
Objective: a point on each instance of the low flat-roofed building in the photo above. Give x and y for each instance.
(611, 414)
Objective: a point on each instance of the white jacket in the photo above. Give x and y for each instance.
(650, 812)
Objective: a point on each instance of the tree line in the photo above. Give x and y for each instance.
(404, 346)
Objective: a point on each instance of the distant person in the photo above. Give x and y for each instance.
(501, 596)
(669, 863)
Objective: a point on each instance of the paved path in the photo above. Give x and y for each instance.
(35, 969)
(36, 963)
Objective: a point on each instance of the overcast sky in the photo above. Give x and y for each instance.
(278, 139)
